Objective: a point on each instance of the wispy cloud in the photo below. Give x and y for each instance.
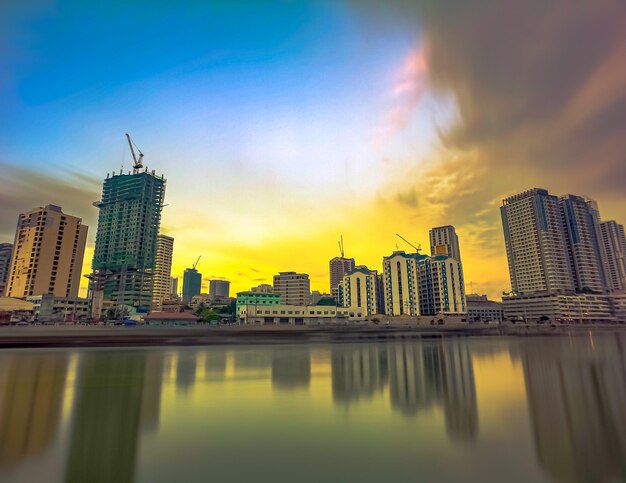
(407, 89)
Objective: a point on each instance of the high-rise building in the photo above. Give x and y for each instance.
(444, 241)
(6, 250)
(48, 254)
(293, 288)
(359, 291)
(162, 280)
(441, 286)
(192, 284)
(536, 245)
(126, 242)
(219, 289)
(581, 224)
(417, 284)
(174, 287)
(339, 266)
(614, 243)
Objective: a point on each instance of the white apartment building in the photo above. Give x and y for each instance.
(417, 284)
(162, 280)
(441, 286)
(401, 282)
(293, 288)
(536, 244)
(614, 242)
(358, 291)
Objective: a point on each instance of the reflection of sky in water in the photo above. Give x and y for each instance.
(471, 409)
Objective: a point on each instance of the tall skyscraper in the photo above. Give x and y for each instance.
(161, 288)
(219, 289)
(536, 245)
(614, 243)
(339, 266)
(293, 288)
(444, 241)
(192, 284)
(581, 224)
(6, 250)
(48, 254)
(126, 242)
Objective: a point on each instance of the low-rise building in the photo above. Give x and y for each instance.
(171, 318)
(549, 308)
(255, 299)
(294, 314)
(481, 309)
(13, 310)
(48, 308)
(618, 305)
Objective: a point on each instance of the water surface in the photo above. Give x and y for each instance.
(453, 409)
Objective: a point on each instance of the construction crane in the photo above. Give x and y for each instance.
(138, 160)
(341, 246)
(196, 264)
(417, 248)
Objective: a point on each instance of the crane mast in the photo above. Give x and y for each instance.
(138, 160)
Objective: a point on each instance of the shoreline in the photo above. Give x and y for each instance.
(104, 336)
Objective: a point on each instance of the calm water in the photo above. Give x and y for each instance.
(462, 409)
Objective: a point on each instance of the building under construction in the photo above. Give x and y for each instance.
(128, 226)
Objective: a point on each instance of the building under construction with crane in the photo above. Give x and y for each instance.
(128, 227)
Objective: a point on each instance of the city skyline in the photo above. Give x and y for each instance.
(277, 137)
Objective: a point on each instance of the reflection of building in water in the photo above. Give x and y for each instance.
(409, 389)
(358, 370)
(110, 396)
(215, 363)
(31, 396)
(185, 370)
(151, 399)
(422, 374)
(291, 368)
(459, 396)
(577, 399)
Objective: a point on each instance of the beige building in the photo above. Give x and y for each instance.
(48, 254)
(162, 279)
(263, 288)
(293, 288)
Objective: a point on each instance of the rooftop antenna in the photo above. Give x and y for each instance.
(138, 160)
(417, 248)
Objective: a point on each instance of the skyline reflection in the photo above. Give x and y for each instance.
(123, 405)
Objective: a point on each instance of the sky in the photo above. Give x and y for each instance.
(281, 126)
